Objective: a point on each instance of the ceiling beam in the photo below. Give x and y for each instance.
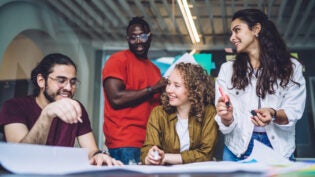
(210, 16)
(156, 14)
(109, 18)
(224, 20)
(302, 24)
(308, 33)
(117, 12)
(127, 9)
(232, 6)
(98, 22)
(270, 5)
(140, 7)
(197, 20)
(163, 27)
(260, 5)
(171, 15)
(78, 13)
(245, 4)
(292, 20)
(70, 15)
(281, 10)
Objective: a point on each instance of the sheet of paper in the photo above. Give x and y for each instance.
(186, 58)
(39, 159)
(52, 160)
(264, 154)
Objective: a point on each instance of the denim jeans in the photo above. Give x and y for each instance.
(261, 137)
(126, 155)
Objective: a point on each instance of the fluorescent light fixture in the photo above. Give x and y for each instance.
(193, 51)
(184, 8)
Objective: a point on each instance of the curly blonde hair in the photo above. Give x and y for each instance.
(200, 88)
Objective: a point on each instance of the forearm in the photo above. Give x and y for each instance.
(280, 117)
(39, 132)
(88, 141)
(172, 159)
(127, 98)
(120, 97)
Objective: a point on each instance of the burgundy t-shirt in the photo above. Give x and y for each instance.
(26, 111)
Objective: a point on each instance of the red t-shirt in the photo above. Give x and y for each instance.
(25, 110)
(127, 127)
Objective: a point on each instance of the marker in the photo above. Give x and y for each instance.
(253, 113)
(156, 155)
(226, 100)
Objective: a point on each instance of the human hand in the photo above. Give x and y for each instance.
(262, 118)
(154, 156)
(224, 111)
(68, 110)
(160, 85)
(104, 159)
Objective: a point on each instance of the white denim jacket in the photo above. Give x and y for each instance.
(291, 99)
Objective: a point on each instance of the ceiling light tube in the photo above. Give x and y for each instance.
(182, 9)
(191, 22)
(193, 51)
(183, 5)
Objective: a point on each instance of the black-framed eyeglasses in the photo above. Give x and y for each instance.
(63, 81)
(142, 37)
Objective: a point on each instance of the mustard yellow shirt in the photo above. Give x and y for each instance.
(161, 132)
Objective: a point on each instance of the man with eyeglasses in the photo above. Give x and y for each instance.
(50, 116)
(132, 85)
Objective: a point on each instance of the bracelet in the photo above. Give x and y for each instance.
(274, 116)
(100, 152)
(149, 89)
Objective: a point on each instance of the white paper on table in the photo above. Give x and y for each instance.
(53, 160)
(41, 159)
(186, 58)
(276, 162)
(264, 154)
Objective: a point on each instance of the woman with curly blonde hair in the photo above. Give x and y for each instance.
(183, 129)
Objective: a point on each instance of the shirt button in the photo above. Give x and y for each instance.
(236, 93)
(272, 137)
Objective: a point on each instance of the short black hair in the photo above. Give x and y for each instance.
(138, 21)
(45, 68)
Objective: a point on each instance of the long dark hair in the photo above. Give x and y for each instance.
(275, 62)
(45, 67)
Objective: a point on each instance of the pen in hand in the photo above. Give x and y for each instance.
(253, 113)
(226, 100)
(156, 155)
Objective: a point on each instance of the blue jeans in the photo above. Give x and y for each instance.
(261, 137)
(126, 155)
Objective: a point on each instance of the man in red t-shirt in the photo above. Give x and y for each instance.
(131, 87)
(50, 116)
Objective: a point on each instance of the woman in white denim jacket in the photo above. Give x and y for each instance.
(264, 80)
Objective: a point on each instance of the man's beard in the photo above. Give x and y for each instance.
(144, 53)
(50, 98)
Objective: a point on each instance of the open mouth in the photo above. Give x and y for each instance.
(65, 94)
(171, 98)
(139, 48)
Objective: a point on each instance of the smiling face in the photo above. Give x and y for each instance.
(242, 37)
(59, 83)
(138, 47)
(176, 90)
